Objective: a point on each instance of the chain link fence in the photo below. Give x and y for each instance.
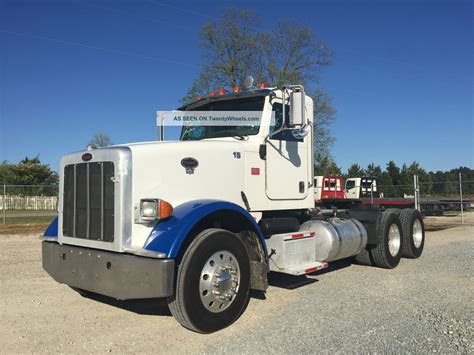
(28, 204)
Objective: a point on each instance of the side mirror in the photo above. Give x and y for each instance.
(297, 109)
(300, 133)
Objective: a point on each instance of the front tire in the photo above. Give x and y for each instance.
(388, 251)
(213, 282)
(413, 233)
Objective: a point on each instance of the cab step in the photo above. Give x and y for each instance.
(294, 253)
(304, 269)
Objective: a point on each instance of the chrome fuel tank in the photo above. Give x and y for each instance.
(337, 238)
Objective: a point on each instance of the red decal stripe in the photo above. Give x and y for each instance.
(309, 271)
(302, 235)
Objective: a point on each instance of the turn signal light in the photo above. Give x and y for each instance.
(165, 209)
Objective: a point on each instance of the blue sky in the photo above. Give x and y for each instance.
(402, 78)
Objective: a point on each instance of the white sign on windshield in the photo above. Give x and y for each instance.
(208, 118)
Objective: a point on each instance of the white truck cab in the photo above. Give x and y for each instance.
(361, 187)
(203, 219)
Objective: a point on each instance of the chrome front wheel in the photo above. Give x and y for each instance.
(213, 282)
(219, 282)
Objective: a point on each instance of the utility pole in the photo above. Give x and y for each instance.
(4, 202)
(460, 193)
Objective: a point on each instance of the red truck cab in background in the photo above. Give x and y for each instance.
(328, 186)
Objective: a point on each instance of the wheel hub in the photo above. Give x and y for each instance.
(219, 283)
(417, 233)
(394, 240)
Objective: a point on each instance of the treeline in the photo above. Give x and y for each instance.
(395, 181)
(29, 171)
(392, 180)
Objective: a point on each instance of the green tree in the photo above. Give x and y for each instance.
(446, 183)
(384, 185)
(373, 171)
(424, 178)
(100, 140)
(29, 171)
(326, 166)
(355, 170)
(290, 53)
(406, 181)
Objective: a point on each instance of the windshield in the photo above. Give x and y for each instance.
(196, 132)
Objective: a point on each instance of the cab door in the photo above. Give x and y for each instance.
(286, 167)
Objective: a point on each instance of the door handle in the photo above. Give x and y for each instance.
(301, 187)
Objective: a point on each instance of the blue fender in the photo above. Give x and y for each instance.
(168, 236)
(52, 230)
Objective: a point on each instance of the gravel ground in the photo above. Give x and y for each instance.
(424, 305)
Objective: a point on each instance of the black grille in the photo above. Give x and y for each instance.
(88, 207)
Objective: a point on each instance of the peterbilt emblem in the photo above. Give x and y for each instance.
(189, 164)
(86, 156)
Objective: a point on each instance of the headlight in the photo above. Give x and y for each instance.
(151, 209)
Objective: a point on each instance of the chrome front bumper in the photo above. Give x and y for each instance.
(121, 276)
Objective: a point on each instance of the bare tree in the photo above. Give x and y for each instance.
(100, 140)
(290, 53)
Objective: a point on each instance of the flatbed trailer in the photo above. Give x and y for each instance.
(428, 207)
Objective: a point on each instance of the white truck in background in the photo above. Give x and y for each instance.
(361, 187)
(203, 220)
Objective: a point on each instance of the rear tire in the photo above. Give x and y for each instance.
(213, 282)
(413, 230)
(388, 251)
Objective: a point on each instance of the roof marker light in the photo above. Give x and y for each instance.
(221, 91)
(262, 85)
(236, 89)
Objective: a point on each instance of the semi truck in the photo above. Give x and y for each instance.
(204, 219)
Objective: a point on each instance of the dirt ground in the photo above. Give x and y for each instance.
(423, 305)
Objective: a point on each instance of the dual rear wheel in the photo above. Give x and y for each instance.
(401, 234)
